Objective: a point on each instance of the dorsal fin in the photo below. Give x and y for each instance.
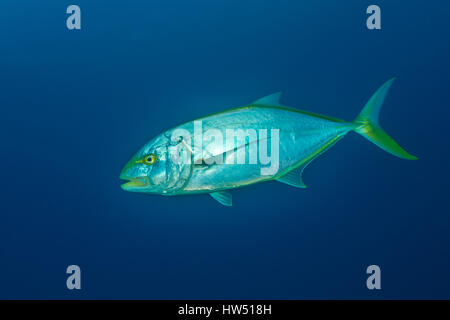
(270, 100)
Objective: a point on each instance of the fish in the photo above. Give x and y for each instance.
(230, 149)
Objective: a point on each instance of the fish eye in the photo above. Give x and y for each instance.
(150, 159)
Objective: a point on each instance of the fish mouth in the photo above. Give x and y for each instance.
(134, 182)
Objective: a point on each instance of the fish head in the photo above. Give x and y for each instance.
(155, 168)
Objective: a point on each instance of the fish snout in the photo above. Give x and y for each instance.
(134, 182)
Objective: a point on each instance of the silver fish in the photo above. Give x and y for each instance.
(191, 159)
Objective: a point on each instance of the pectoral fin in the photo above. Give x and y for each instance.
(294, 177)
(223, 197)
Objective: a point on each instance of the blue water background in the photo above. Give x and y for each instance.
(77, 104)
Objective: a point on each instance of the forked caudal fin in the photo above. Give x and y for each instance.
(370, 129)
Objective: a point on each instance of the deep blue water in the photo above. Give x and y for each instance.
(77, 104)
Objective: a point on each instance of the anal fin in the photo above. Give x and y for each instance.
(294, 177)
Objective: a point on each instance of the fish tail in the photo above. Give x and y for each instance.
(369, 128)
